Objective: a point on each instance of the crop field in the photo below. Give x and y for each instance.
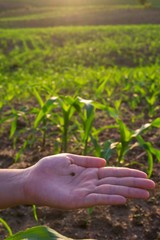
(86, 88)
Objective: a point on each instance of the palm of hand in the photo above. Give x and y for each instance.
(61, 183)
(69, 181)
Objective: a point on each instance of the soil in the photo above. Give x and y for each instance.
(115, 17)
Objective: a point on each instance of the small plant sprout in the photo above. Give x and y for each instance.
(6, 226)
(68, 106)
(87, 117)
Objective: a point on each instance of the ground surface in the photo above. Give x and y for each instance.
(83, 17)
(136, 220)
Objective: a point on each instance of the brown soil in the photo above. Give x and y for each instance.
(107, 17)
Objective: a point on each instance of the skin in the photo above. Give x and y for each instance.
(68, 181)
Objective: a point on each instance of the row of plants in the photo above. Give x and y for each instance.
(67, 119)
(35, 50)
(124, 88)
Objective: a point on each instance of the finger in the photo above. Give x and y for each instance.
(87, 161)
(128, 181)
(120, 172)
(95, 199)
(127, 192)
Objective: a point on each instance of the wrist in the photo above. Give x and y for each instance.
(12, 182)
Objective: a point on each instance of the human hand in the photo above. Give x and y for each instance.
(69, 181)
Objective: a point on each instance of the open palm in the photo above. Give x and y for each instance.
(69, 181)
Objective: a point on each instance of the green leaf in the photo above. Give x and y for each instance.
(5, 224)
(39, 99)
(97, 146)
(44, 110)
(148, 147)
(4, 119)
(117, 104)
(38, 233)
(156, 152)
(112, 112)
(156, 123)
(13, 127)
(140, 140)
(125, 133)
(101, 86)
(150, 164)
(90, 210)
(88, 117)
(150, 150)
(35, 212)
(107, 150)
(21, 150)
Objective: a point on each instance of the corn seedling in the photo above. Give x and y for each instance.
(35, 212)
(68, 106)
(5, 224)
(126, 144)
(39, 233)
(43, 116)
(87, 118)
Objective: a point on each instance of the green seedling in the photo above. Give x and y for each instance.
(39, 233)
(15, 115)
(35, 212)
(151, 100)
(126, 143)
(5, 224)
(147, 146)
(21, 150)
(87, 118)
(125, 138)
(44, 114)
(68, 107)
